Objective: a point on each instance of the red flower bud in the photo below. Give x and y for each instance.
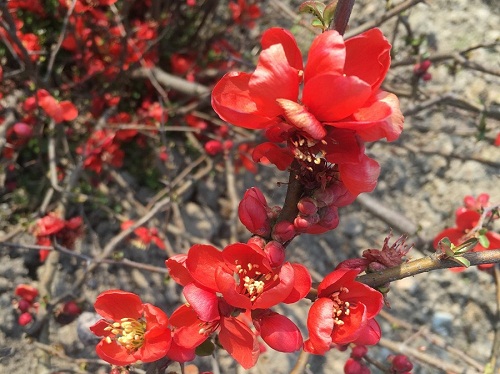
(252, 212)
(24, 319)
(213, 147)
(275, 253)
(71, 308)
(401, 363)
(257, 241)
(355, 367)
(23, 130)
(358, 352)
(283, 231)
(23, 305)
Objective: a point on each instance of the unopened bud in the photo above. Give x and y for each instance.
(275, 253)
(307, 206)
(283, 231)
(24, 319)
(253, 211)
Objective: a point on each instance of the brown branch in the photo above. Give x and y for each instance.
(293, 194)
(426, 264)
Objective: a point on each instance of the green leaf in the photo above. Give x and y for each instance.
(329, 12)
(445, 242)
(484, 241)
(466, 246)
(461, 260)
(314, 7)
(318, 23)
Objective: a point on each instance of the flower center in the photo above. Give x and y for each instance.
(252, 281)
(128, 332)
(207, 328)
(340, 307)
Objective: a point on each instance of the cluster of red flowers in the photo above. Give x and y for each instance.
(466, 219)
(51, 225)
(144, 236)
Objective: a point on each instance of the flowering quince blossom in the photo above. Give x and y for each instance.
(343, 313)
(243, 275)
(133, 331)
(57, 110)
(341, 101)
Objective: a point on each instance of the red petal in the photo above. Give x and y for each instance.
(299, 117)
(156, 344)
(99, 328)
(332, 98)
(204, 303)
(239, 341)
(336, 279)
(154, 316)
(228, 287)
(454, 234)
(114, 353)
(353, 325)
(370, 334)
(360, 177)
(368, 57)
(320, 326)
(280, 333)
(281, 157)
(69, 110)
(467, 220)
(284, 37)
(202, 262)
(361, 293)
(114, 305)
(378, 118)
(301, 285)
(273, 79)
(177, 270)
(187, 327)
(276, 294)
(232, 102)
(326, 55)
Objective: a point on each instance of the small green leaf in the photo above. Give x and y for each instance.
(461, 260)
(484, 241)
(329, 12)
(445, 242)
(313, 7)
(318, 23)
(466, 246)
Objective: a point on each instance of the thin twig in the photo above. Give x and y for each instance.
(493, 365)
(301, 363)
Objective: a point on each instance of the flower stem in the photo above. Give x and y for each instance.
(342, 14)
(294, 192)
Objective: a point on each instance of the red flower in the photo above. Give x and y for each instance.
(341, 104)
(343, 313)
(243, 13)
(57, 110)
(26, 292)
(144, 236)
(244, 276)
(132, 330)
(342, 80)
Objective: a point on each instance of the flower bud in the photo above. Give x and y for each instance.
(358, 352)
(275, 253)
(213, 147)
(252, 212)
(280, 333)
(401, 364)
(257, 241)
(283, 231)
(355, 367)
(302, 223)
(24, 319)
(23, 305)
(71, 308)
(23, 130)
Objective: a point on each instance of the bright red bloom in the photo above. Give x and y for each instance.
(343, 313)
(341, 87)
(66, 232)
(341, 104)
(57, 110)
(132, 330)
(244, 276)
(26, 292)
